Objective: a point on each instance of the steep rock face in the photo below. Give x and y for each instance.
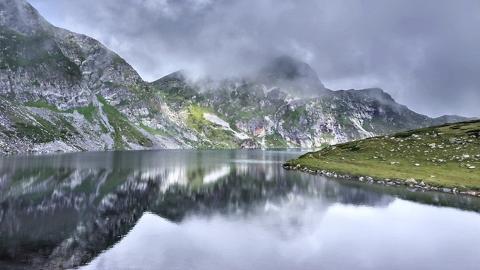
(20, 17)
(62, 91)
(64, 68)
(269, 117)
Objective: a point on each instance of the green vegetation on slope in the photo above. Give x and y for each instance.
(293, 117)
(36, 128)
(89, 112)
(443, 156)
(196, 120)
(275, 140)
(122, 127)
(42, 104)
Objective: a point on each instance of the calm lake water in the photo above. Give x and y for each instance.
(220, 210)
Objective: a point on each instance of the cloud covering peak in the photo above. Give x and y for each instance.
(425, 53)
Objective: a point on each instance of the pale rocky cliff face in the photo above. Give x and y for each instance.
(62, 91)
(65, 68)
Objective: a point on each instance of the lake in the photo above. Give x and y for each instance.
(238, 209)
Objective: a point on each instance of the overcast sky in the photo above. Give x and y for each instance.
(426, 54)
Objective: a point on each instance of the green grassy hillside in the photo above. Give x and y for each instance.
(442, 156)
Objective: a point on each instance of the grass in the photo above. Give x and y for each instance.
(275, 141)
(41, 130)
(220, 138)
(89, 112)
(42, 104)
(443, 156)
(195, 116)
(122, 127)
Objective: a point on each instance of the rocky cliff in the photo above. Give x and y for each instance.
(63, 91)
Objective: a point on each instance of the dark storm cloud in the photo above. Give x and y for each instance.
(425, 53)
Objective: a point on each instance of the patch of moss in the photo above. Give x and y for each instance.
(42, 104)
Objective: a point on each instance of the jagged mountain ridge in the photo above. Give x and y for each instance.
(277, 119)
(62, 91)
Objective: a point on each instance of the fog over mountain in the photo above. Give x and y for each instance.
(424, 53)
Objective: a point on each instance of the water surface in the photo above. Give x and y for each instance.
(220, 210)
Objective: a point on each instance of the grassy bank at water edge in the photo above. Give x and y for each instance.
(446, 156)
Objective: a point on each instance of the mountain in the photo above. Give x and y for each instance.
(269, 117)
(292, 76)
(63, 91)
(451, 119)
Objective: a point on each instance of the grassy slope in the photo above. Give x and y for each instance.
(122, 127)
(444, 156)
(220, 138)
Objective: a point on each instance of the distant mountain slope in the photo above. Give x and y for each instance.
(272, 118)
(62, 91)
(291, 75)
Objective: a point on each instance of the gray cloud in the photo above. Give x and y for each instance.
(425, 53)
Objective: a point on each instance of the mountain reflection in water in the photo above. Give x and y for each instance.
(211, 210)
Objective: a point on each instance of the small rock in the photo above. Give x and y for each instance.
(411, 181)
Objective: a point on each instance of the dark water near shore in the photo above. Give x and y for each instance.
(220, 210)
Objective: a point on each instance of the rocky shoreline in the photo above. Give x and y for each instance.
(411, 184)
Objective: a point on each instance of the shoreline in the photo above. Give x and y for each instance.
(77, 151)
(411, 184)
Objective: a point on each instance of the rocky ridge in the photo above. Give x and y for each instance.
(63, 91)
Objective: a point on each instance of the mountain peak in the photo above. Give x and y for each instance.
(377, 93)
(293, 75)
(288, 68)
(20, 16)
